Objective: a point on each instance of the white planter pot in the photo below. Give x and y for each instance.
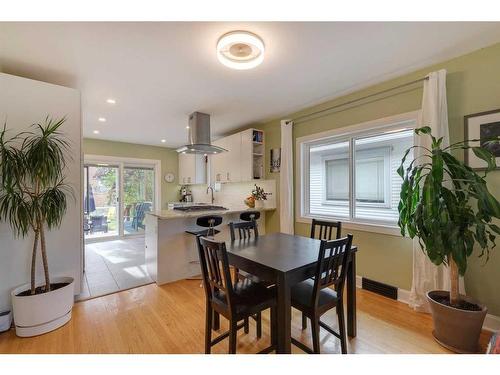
(42, 313)
(259, 204)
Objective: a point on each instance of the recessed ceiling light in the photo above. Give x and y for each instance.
(187, 127)
(96, 132)
(163, 140)
(101, 119)
(111, 101)
(240, 50)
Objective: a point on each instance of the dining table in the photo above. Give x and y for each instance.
(286, 260)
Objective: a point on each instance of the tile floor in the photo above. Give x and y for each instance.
(114, 265)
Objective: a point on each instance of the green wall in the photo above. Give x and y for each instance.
(167, 156)
(473, 85)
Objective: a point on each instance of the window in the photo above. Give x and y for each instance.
(337, 179)
(353, 176)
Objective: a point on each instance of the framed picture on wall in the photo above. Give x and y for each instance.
(275, 160)
(482, 126)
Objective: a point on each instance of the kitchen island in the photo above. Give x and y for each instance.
(171, 253)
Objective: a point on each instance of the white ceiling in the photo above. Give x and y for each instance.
(161, 72)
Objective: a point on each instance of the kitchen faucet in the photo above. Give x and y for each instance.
(212, 190)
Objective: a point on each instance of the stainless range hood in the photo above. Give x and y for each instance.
(199, 136)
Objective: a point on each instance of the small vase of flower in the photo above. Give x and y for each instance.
(259, 197)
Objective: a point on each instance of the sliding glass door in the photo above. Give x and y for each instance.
(138, 190)
(101, 201)
(117, 197)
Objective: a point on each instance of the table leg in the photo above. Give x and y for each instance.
(351, 296)
(283, 312)
(273, 326)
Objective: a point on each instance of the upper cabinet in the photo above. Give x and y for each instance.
(192, 169)
(244, 159)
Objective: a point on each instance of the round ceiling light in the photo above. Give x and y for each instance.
(240, 50)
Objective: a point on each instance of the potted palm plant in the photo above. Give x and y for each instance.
(447, 206)
(33, 199)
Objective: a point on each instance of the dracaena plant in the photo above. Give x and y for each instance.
(447, 205)
(259, 194)
(33, 192)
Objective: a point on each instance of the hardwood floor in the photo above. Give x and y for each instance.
(170, 319)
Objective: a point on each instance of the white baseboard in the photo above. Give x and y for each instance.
(358, 281)
(403, 295)
(491, 322)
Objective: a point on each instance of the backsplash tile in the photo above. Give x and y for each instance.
(234, 193)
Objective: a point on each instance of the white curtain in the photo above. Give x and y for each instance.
(286, 178)
(426, 275)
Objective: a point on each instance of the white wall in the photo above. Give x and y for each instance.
(22, 103)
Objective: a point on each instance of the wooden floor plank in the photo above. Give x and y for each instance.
(170, 319)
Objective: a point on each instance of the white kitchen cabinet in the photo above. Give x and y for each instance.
(192, 169)
(219, 162)
(244, 159)
(226, 165)
(233, 161)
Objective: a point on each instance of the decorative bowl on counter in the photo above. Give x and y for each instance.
(250, 201)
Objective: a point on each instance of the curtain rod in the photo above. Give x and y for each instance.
(359, 99)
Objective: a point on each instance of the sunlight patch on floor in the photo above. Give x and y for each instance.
(113, 266)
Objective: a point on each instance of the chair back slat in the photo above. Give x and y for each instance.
(326, 229)
(215, 269)
(245, 230)
(332, 265)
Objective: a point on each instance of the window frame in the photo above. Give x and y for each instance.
(408, 120)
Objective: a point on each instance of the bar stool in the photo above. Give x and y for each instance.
(250, 216)
(209, 222)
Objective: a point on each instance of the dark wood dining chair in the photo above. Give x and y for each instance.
(246, 230)
(323, 230)
(235, 301)
(315, 297)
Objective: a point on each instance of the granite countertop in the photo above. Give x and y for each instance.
(175, 214)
